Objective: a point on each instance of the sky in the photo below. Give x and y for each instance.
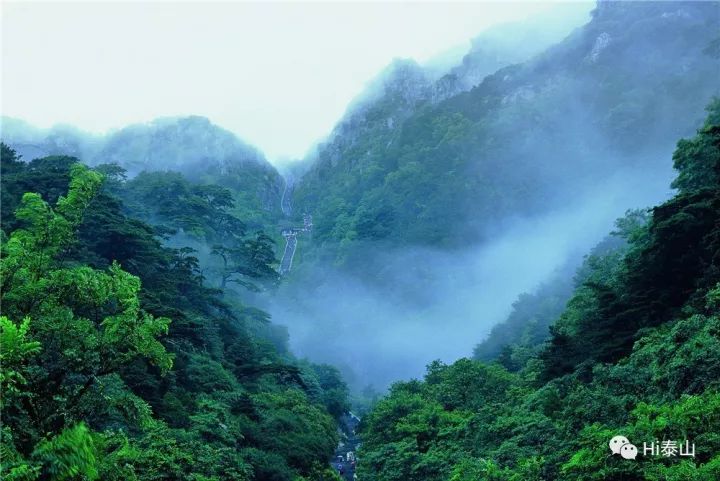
(279, 75)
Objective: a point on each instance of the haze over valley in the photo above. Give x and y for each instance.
(427, 224)
(274, 261)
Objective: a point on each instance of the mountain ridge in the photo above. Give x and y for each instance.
(192, 145)
(579, 122)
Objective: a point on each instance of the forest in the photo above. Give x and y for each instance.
(120, 362)
(497, 266)
(636, 351)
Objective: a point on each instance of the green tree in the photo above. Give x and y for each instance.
(86, 324)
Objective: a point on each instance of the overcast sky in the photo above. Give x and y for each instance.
(279, 75)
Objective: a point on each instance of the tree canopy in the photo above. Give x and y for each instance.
(636, 352)
(119, 361)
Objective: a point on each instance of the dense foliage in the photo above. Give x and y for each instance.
(410, 170)
(130, 350)
(636, 352)
(120, 362)
(202, 216)
(190, 145)
(519, 337)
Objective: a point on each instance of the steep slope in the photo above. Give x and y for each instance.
(120, 361)
(517, 338)
(528, 138)
(516, 42)
(435, 224)
(556, 418)
(404, 85)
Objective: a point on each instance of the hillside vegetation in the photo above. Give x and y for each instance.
(636, 352)
(528, 138)
(121, 362)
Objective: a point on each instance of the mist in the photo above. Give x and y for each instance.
(428, 304)
(360, 241)
(269, 72)
(420, 303)
(554, 151)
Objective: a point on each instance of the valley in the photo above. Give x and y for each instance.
(485, 271)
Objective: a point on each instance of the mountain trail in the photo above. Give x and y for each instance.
(291, 234)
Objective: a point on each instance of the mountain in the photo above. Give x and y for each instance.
(515, 42)
(518, 337)
(31, 142)
(634, 358)
(404, 86)
(430, 217)
(183, 144)
(411, 168)
(201, 150)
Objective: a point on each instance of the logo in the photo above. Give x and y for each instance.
(622, 446)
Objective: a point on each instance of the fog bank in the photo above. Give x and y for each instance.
(433, 304)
